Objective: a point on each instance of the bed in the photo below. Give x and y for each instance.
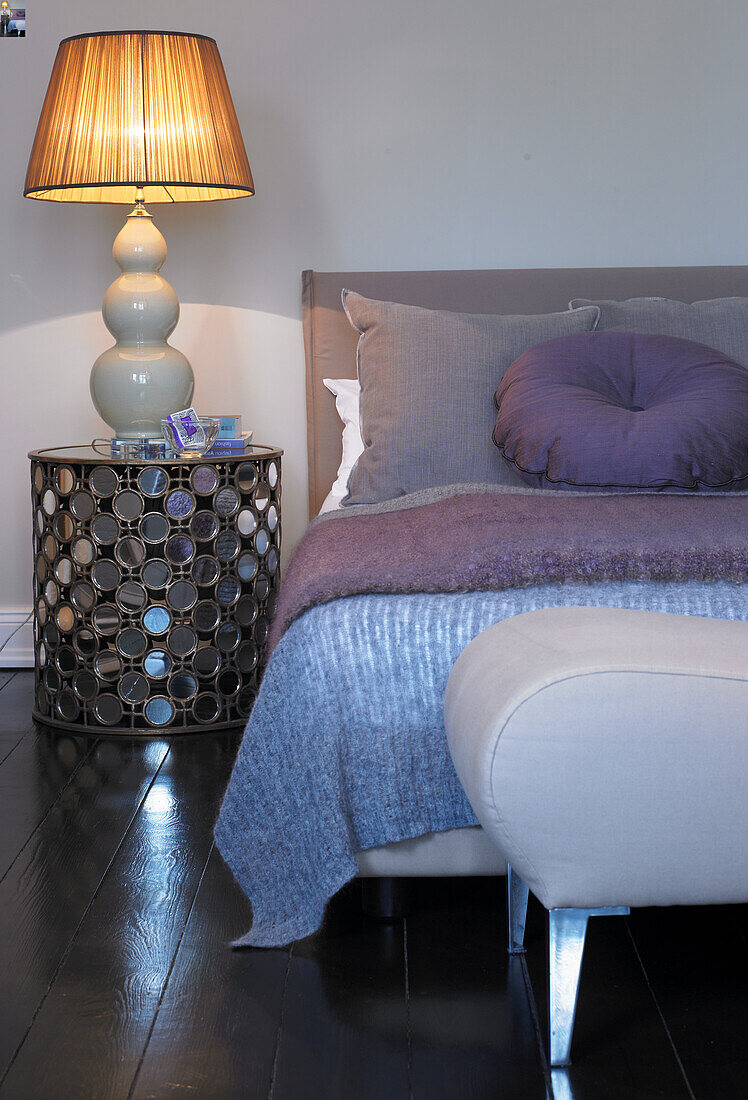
(348, 722)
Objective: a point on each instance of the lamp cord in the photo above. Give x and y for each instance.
(19, 627)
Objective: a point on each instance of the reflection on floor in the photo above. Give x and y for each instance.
(115, 914)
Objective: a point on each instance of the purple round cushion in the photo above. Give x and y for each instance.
(618, 410)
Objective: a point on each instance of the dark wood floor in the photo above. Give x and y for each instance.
(116, 978)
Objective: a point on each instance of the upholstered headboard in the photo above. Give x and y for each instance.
(330, 341)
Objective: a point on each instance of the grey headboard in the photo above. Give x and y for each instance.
(330, 342)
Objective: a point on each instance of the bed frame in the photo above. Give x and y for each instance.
(330, 344)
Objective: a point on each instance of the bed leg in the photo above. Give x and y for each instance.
(385, 899)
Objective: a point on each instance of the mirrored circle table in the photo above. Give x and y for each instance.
(154, 582)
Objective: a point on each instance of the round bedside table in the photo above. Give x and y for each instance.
(153, 584)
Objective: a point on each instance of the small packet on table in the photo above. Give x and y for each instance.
(188, 432)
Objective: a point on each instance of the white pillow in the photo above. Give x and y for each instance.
(347, 393)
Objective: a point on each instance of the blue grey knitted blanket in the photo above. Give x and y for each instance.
(345, 748)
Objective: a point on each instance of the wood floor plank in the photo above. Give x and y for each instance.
(6, 675)
(16, 701)
(100, 1009)
(702, 992)
(344, 1030)
(34, 773)
(10, 741)
(45, 895)
(216, 1030)
(621, 1049)
(472, 1031)
(15, 711)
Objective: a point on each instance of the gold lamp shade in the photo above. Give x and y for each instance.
(136, 111)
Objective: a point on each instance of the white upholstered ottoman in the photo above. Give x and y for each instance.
(604, 752)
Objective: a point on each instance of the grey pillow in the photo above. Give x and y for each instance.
(427, 383)
(720, 323)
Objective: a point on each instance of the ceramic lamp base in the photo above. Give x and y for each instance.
(141, 379)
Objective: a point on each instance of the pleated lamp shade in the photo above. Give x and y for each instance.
(138, 109)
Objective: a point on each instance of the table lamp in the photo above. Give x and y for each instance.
(138, 117)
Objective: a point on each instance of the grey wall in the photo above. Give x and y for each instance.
(388, 134)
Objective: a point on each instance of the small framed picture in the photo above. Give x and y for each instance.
(12, 20)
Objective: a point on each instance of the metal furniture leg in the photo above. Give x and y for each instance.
(516, 896)
(567, 929)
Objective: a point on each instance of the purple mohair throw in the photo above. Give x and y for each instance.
(489, 541)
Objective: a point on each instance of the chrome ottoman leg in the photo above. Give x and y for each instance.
(516, 896)
(567, 929)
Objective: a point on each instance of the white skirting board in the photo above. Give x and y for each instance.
(19, 650)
